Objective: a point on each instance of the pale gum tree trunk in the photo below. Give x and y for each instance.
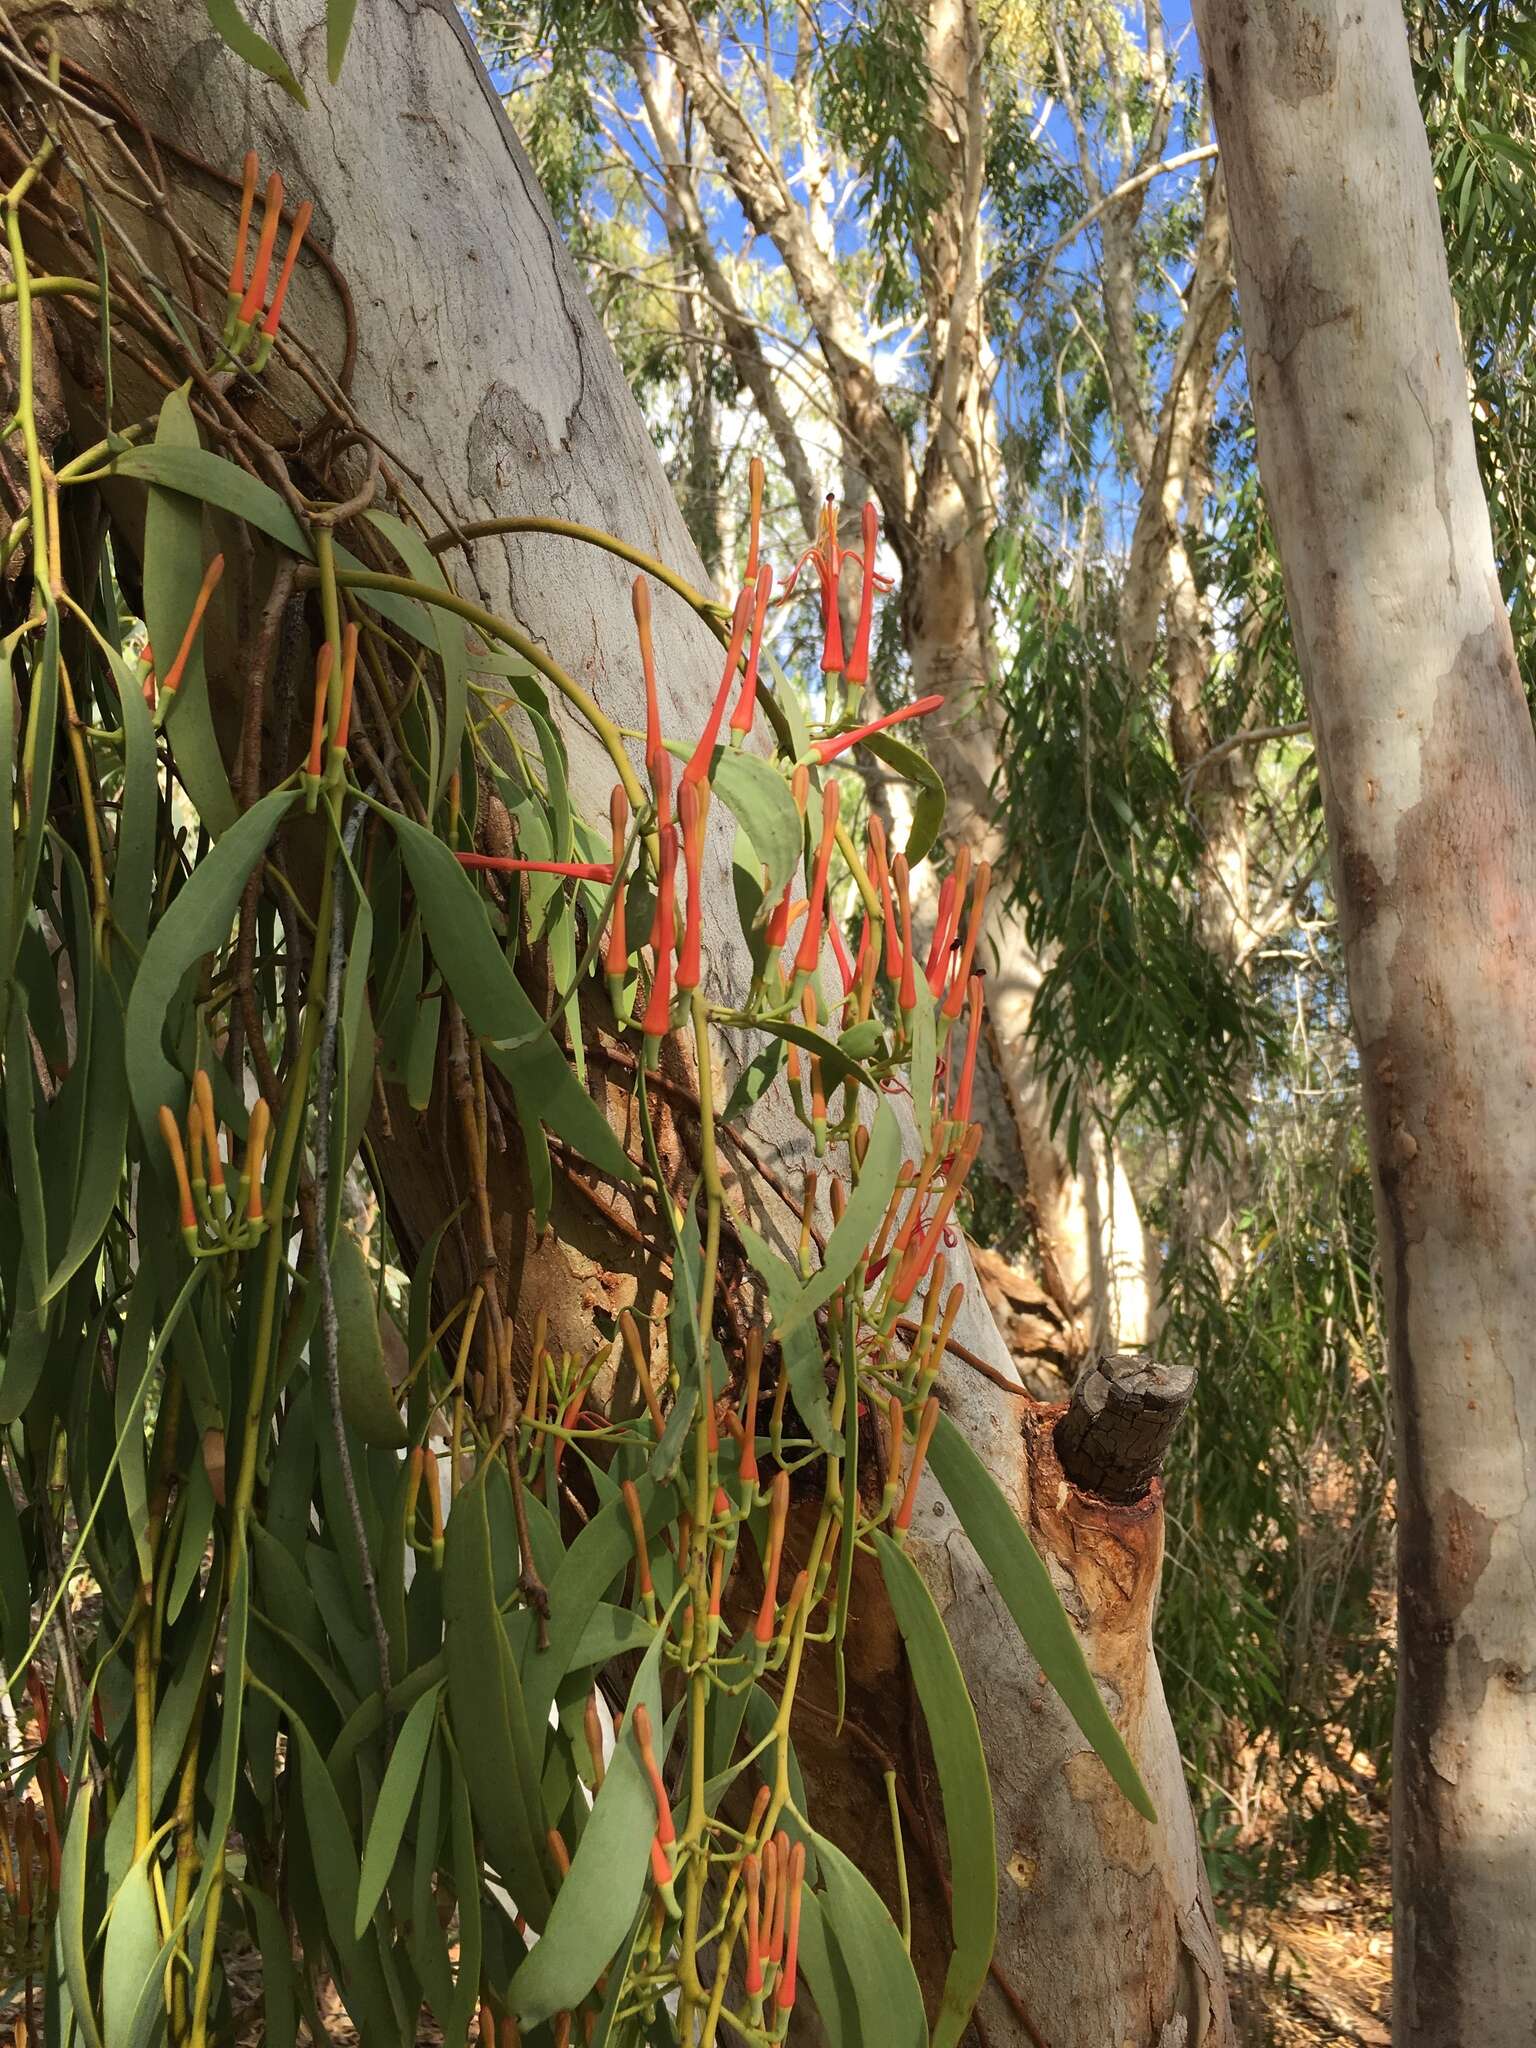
(482, 365)
(1428, 761)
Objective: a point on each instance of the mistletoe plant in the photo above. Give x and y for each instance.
(345, 1615)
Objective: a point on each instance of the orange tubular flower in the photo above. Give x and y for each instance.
(882, 871)
(658, 1010)
(907, 994)
(858, 661)
(845, 966)
(919, 1254)
(236, 285)
(751, 1875)
(317, 719)
(755, 525)
(296, 236)
(925, 1429)
(778, 1515)
(654, 748)
(778, 923)
(943, 932)
(828, 749)
(688, 967)
(746, 707)
(640, 1720)
(784, 1991)
(962, 975)
(505, 864)
(256, 290)
(703, 755)
(643, 1582)
(961, 1112)
(202, 1097)
(171, 681)
(810, 943)
(255, 1153)
(170, 1131)
(827, 558)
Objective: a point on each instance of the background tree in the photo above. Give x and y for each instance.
(1429, 766)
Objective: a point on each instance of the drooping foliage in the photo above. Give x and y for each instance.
(347, 1615)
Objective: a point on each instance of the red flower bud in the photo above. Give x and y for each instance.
(925, 1429)
(778, 1515)
(828, 749)
(962, 975)
(171, 681)
(746, 707)
(751, 1876)
(943, 932)
(296, 235)
(845, 966)
(256, 290)
(236, 285)
(637, 1530)
(703, 755)
(784, 1991)
(858, 661)
(316, 759)
(659, 1008)
(962, 1106)
(640, 597)
(810, 943)
(907, 994)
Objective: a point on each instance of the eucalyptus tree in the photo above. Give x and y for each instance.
(1428, 759)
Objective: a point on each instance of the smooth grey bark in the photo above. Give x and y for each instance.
(1428, 762)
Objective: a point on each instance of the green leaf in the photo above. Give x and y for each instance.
(338, 29)
(362, 1984)
(963, 1786)
(928, 807)
(802, 1348)
(106, 1132)
(255, 50)
(852, 1237)
(597, 1557)
(173, 569)
(396, 1796)
(497, 1007)
(885, 1990)
(836, 1066)
(279, 2016)
(759, 799)
(596, 1903)
(467, 1882)
(184, 468)
(197, 922)
(485, 1705)
(131, 1953)
(69, 1927)
(367, 1398)
(1025, 1586)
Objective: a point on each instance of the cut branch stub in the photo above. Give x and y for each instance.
(1119, 1423)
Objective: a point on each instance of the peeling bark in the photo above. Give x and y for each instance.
(1429, 770)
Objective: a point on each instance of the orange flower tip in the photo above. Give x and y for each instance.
(618, 816)
(296, 236)
(256, 290)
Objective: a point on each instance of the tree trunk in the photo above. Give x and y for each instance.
(1429, 768)
(482, 366)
